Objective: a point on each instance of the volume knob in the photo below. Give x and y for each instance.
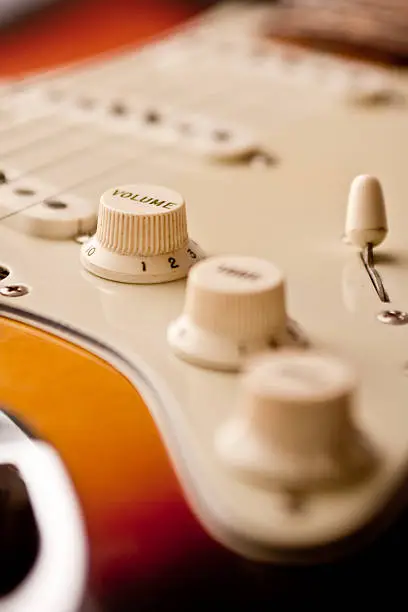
(294, 425)
(141, 236)
(234, 306)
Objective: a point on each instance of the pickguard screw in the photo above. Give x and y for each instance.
(14, 290)
(4, 272)
(393, 317)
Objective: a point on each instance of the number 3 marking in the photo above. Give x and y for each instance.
(192, 254)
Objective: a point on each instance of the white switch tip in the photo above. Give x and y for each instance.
(366, 219)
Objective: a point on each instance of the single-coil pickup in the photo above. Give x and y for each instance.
(199, 134)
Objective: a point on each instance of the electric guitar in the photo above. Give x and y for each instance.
(203, 367)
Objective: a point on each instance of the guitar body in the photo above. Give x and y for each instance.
(263, 145)
(146, 546)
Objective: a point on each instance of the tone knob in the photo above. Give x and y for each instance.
(293, 427)
(234, 307)
(141, 236)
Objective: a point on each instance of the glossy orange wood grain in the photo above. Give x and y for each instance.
(134, 510)
(70, 30)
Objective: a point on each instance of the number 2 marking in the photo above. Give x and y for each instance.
(173, 263)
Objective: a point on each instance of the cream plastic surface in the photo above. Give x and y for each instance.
(291, 213)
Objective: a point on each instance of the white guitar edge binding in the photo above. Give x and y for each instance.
(62, 556)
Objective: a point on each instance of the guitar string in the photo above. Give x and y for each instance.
(39, 140)
(81, 183)
(94, 69)
(91, 177)
(51, 137)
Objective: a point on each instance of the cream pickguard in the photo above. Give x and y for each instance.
(263, 146)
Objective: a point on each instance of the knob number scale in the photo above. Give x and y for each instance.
(140, 269)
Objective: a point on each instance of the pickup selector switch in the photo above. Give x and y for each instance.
(141, 236)
(234, 307)
(366, 219)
